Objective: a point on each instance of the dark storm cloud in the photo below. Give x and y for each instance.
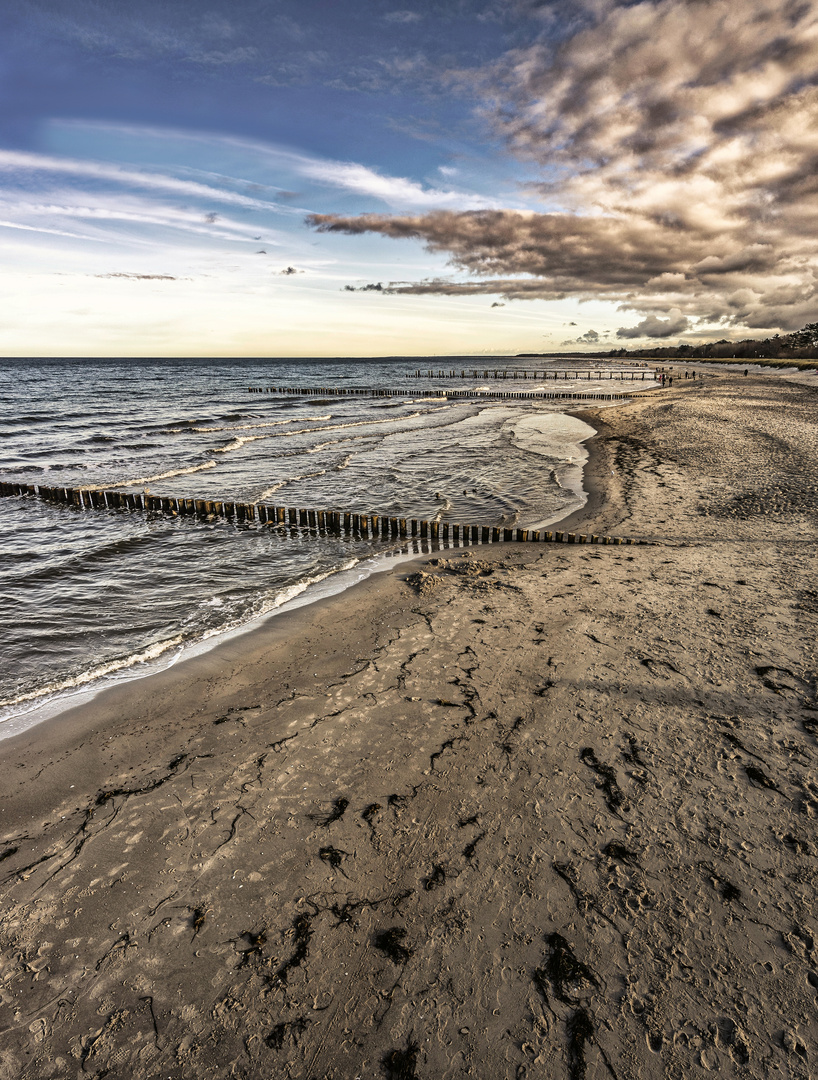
(678, 146)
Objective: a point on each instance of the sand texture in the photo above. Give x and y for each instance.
(516, 812)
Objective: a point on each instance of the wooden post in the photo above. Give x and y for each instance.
(402, 526)
(456, 533)
(558, 537)
(495, 536)
(435, 529)
(424, 528)
(508, 535)
(519, 535)
(570, 538)
(485, 534)
(475, 534)
(347, 523)
(292, 515)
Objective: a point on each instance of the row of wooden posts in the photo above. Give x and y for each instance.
(639, 374)
(364, 526)
(352, 391)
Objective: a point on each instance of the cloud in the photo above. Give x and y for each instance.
(590, 337)
(111, 216)
(403, 17)
(653, 327)
(140, 277)
(17, 162)
(677, 145)
(42, 229)
(219, 57)
(393, 190)
(349, 176)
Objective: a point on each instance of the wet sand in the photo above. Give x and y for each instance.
(524, 811)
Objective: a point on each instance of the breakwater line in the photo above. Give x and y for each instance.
(494, 395)
(634, 375)
(315, 522)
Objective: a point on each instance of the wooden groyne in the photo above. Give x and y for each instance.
(503, 395)
(320, 522)
(633, 374)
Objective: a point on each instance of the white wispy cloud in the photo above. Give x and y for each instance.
(43, 229)
(395, 191)
(17, 162)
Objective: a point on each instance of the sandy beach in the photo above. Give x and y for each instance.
(516, 812)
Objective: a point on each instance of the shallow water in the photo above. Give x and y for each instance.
(90, 595)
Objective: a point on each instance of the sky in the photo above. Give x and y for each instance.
(375, 178)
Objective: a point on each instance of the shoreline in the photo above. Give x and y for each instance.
(51, 708)
(514, 811)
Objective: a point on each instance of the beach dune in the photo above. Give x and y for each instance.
(522, 811)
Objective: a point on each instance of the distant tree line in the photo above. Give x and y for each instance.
(800, 345)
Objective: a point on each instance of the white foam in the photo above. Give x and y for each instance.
(250, 427)
(111, 667)
(551, 435)
(141, 480)
(50, 701)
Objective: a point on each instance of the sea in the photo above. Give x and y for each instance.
(93, 597)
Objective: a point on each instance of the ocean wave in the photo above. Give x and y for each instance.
(444, 509)
(137, 482)
(101, 671)
(157, 650)
(290, 480)
(265, 424)
(242, 440)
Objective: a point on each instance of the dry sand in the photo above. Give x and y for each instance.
(524, 811)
